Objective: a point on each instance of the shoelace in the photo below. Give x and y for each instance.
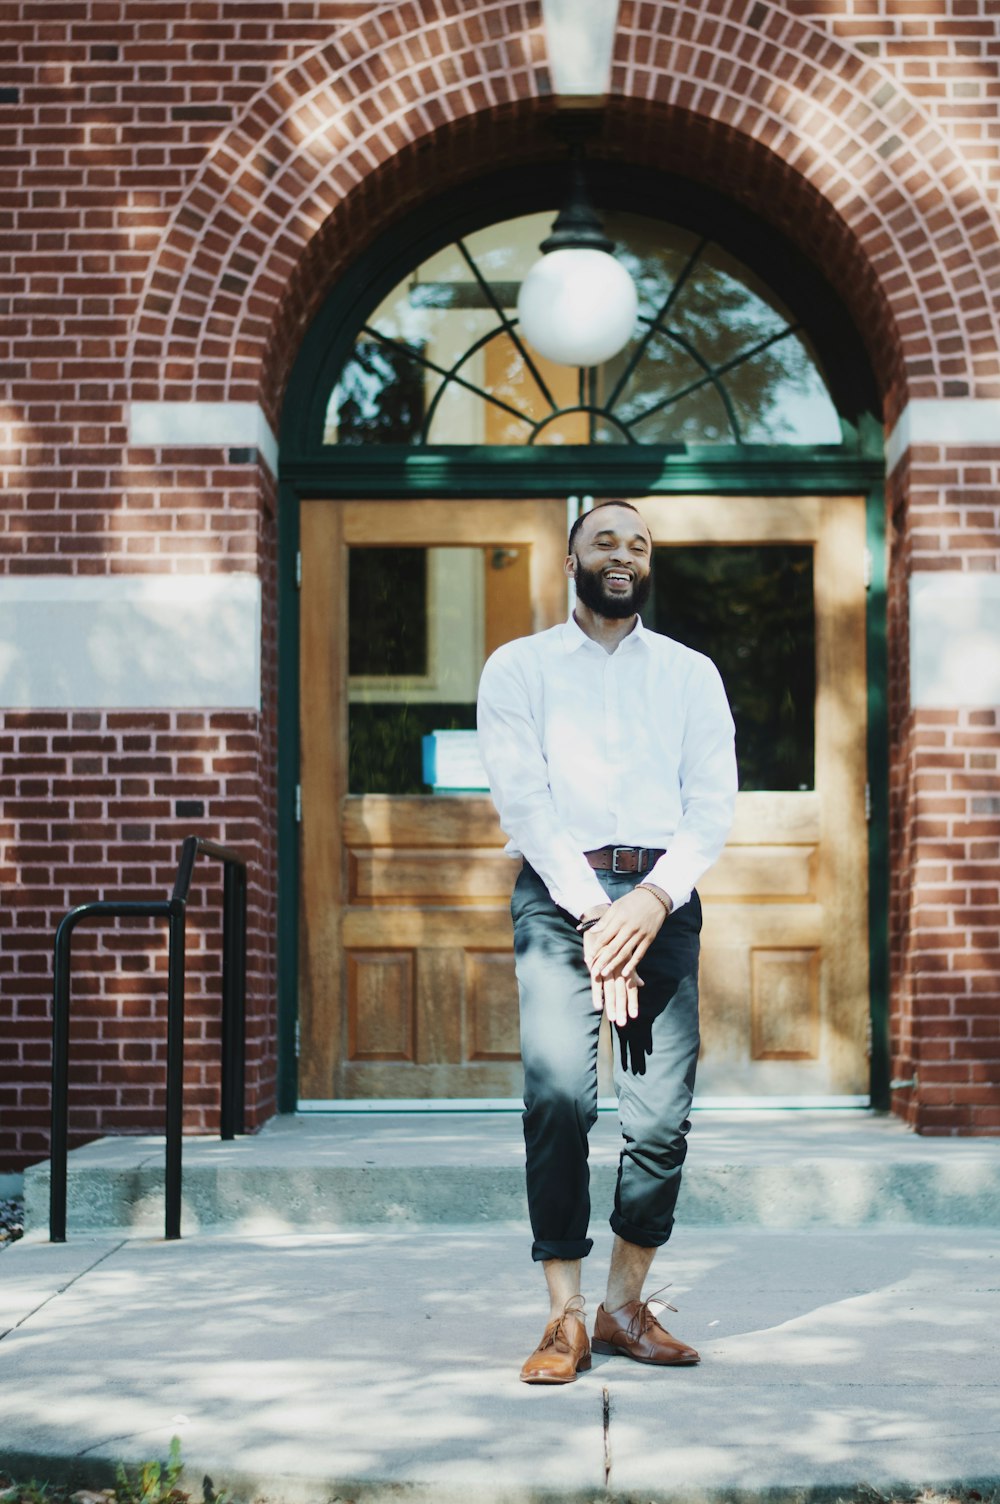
(573, 1307)
(644, 1318)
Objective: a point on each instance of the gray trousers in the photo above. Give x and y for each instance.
(655, 1056)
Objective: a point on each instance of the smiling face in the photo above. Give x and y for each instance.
(610, 563)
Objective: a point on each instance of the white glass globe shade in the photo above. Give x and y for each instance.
(577, 306)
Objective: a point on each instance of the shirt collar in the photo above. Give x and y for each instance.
(575, 637)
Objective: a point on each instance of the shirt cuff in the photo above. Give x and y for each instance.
(580, 897)
(662, 876)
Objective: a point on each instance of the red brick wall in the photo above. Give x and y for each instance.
(945, 837)
(186, 181)
(91, 809)
(95, 804)
(946, 924)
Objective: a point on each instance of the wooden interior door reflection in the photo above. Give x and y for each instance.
(407, 978)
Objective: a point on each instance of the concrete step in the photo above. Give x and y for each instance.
(341, 1172)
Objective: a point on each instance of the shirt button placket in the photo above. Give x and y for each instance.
(613, 736)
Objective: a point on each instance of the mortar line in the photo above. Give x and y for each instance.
(62, 1289)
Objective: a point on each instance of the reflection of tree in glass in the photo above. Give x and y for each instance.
(379, 398)
(718, 317)
(385, 744)
(725, 367)
(387, 612)
(388, 639)
(751, 610)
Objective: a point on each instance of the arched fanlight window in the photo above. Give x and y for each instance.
(716, 359)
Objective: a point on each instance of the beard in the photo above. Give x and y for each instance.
(592, 592)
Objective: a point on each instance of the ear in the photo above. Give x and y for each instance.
(569, 567)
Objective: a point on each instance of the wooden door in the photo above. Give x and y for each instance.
(407, 970)
(407, 975)
(784, 973)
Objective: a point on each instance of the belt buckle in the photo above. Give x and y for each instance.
(623, 871)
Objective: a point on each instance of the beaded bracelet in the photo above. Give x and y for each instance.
(666, 902)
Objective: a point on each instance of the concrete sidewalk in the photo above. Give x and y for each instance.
(376, 1366)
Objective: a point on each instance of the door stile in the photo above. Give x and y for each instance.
(323, 701)
(841, 770)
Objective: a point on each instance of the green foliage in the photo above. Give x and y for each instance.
(750, 608)
(387, 611)
(385, 743)
(152, 1482)
(719, 314)
(32, 1492)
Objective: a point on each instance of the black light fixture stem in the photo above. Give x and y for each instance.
(577, 225)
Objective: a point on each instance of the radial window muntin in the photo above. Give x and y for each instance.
(716, 359)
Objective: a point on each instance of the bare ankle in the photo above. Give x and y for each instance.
(563, 1279)
(619, 1296)
(573, 1308)
(630, 1263)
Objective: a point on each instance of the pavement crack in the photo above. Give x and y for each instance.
(62, 1289)
(606, 1416)
(107, 1441)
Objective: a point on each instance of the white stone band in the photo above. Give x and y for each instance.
(202, 425)
(946, 420)
(580, 41)
(130, 642)
(954, 640)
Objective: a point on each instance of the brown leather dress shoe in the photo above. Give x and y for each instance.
(634, 1332)
(564, 1350)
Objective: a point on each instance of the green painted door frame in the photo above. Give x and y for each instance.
(517, 473)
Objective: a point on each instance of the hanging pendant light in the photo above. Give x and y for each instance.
(577, 305)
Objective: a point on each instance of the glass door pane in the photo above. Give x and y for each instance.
(750, 608)
(422, 622)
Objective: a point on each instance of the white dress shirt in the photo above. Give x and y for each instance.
(586, 749)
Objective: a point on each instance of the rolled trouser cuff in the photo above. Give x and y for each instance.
(640, 1236)
(573, 1248)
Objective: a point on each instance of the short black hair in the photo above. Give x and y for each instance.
(614, 501)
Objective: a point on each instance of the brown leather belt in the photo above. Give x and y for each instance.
(623, 858)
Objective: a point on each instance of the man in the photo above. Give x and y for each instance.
(609, 750)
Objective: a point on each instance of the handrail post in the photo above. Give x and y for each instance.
(190, 847)
(175, 1068)
(59, 1134)
(227, 1095)
(240, 1024)
(59, 1110)
(174, 910)
(234, 908)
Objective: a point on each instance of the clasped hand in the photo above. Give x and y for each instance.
(613, 948)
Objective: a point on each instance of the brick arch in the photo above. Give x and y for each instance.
(785, 118)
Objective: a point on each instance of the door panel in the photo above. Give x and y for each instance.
(407, 973)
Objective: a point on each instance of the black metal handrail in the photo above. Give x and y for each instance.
(174, 910)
